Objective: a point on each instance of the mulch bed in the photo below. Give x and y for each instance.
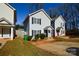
(41, 42)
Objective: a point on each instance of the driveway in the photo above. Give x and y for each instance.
(58, 48)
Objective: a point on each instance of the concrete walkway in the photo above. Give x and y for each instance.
(58, 48)
(3, 41)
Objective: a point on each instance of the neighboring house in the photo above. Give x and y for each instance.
(39, 22)
(7, 21)
(58, 23)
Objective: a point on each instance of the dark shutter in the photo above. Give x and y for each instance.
(2, 31)
(40, 21)
(32, 32)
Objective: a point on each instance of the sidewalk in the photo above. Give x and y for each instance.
(3, 42)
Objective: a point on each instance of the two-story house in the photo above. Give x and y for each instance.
(40, 22)
(7, 21)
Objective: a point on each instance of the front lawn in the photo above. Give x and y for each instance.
(18, 48)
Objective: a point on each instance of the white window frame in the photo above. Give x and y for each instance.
(36, 20)
(35, 32)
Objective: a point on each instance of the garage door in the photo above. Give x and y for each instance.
(6, 32)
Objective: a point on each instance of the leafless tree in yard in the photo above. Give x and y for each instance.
(35, 6)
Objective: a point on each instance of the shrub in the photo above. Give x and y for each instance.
(42, 36)
(58, 29)
(37, 36)
(29, 38)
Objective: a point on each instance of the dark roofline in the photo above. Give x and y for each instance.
(13, 10)
(26, 19)
(10, 6)
(39, 11)
(53, 19)
(4, 19)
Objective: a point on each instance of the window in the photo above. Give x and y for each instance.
(36, 21)
(48, 31)
(33, 20)
(39, 21)
(62, 31)
(40, 31)
(35, 32)
(61, 24)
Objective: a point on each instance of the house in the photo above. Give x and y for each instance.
(7, 21)
(58, 23)
(40, 22)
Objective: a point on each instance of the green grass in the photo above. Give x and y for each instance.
(17, 47)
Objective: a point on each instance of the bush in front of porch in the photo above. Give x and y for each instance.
(40, 36)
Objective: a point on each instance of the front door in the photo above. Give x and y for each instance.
(46, 32)
(49, 33)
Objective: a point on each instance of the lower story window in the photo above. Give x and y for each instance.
(5, 32)
(35, 32)
(62, 31)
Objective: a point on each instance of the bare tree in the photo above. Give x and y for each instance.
(35, 6)
(53, 12)
(70, 14)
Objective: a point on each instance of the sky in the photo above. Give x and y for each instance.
(22, 10)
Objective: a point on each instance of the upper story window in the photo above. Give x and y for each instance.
(36, 20)
(62, 24)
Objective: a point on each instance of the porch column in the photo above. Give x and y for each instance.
(12, 33)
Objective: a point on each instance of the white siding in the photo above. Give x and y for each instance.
(6, 12)
(58, 22)
(45, 21)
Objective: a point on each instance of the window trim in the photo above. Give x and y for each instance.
(35, 32)
(36, 20)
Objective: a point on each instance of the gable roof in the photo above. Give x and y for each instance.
(4, 19)
(48, 27)
(40, 11)
(37, 12)
(53, 19)
(10, 6)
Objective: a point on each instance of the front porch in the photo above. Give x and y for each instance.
(48, 30)
(6, 32)
(6, 29)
